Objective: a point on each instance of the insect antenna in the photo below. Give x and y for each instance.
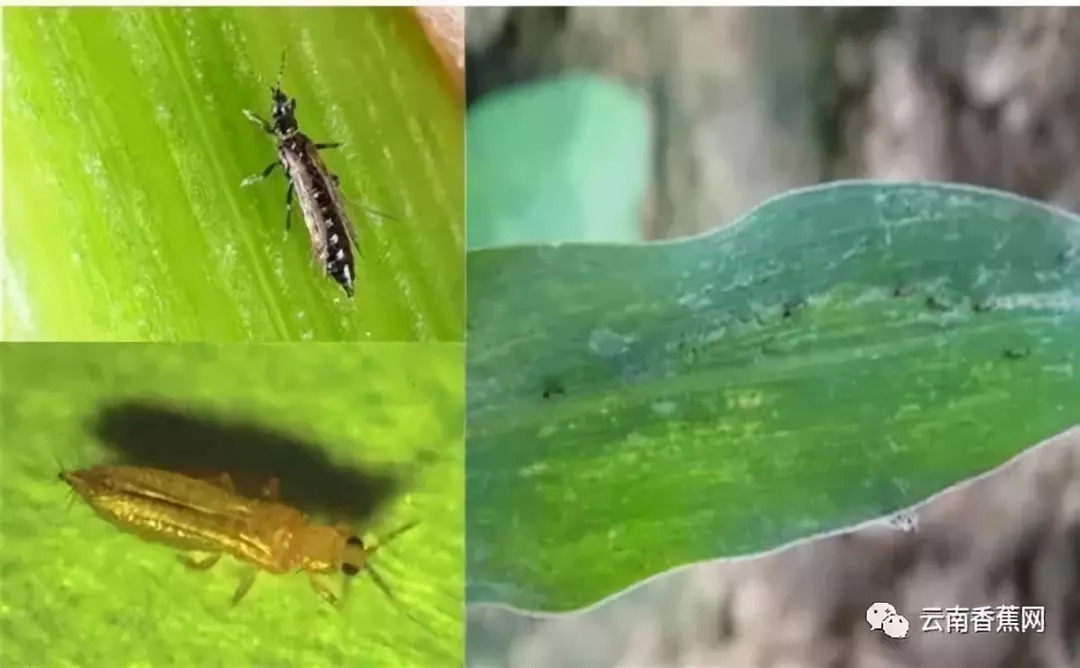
(378, 579)
(71, 490)
(394, 534)
(384, 587)
(281, 69)
(59, 464)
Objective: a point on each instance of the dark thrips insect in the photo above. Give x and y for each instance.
(333, 236)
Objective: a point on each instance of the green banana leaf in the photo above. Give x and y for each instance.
(678, 618)
(79, 592)
(124, 151)
(839, 353)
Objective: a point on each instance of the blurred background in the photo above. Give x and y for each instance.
(740, 104)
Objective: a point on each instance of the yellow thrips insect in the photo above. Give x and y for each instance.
(193, 514)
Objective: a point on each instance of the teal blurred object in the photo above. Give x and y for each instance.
(562, 160)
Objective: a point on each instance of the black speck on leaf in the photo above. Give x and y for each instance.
(793, 305)
(552, 387)
(935, 304)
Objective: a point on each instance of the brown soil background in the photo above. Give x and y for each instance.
(750, 102)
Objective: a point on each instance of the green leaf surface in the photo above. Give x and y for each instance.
(125, 147)
(839, 353)
(79, 592)
(556, 161)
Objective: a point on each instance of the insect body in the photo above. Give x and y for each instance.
(333, 236)
(210, 516)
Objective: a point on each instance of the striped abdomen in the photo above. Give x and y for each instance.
(323, 209)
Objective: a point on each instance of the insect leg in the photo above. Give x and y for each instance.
(246, 581)
(197, 565)
(288, 207)
(333, 144)
(226, 483)
(323, 591)
(272, 490)
(259, 177)
(257, 120)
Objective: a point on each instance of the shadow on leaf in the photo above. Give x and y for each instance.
(152, 434)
